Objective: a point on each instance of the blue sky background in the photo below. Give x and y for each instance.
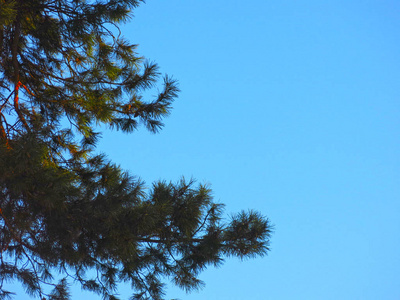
(291, 108)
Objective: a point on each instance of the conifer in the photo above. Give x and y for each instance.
(70, 215)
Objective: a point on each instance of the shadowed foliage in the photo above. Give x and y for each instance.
(66, 212)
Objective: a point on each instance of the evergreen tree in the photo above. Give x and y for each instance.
(65, 68)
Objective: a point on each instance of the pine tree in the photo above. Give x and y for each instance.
(64, 69)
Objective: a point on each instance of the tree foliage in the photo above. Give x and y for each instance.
(66, 212)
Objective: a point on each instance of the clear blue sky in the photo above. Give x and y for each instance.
(290, 108)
